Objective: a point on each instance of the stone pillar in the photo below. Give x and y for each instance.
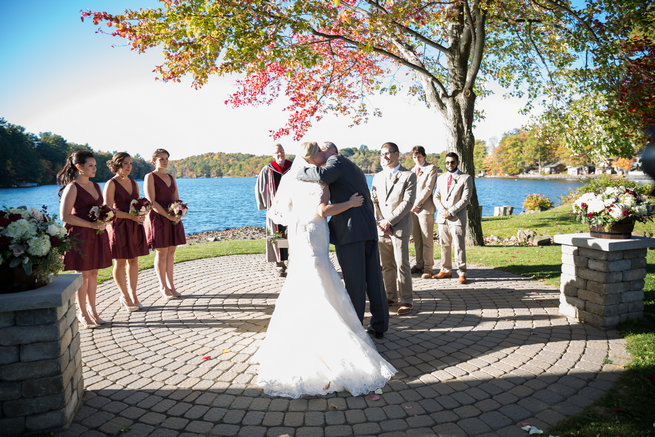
(41, 383)
(602, 280)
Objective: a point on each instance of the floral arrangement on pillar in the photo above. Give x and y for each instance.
(32, 244)
(611, 210)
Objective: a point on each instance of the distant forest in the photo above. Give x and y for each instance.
(245, 165)
(26, 158)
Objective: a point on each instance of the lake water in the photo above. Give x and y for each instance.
(225, 203)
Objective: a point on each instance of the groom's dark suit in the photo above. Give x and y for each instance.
(354, 235)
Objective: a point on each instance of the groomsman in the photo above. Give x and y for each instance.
(267, 182)
(393, 193)
(423, 213)
(451, 198)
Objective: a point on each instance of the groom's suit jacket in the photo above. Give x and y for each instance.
(344, 179)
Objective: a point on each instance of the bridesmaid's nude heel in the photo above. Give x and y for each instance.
(97, 319)
(84, 324)
(166, 296)
(128, 308)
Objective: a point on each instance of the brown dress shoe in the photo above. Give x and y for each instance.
(391, 302)
(442, 275)
(462, 279)
(405, 308)
(416, 269)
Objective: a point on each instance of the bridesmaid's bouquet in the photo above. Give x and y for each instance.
(140, 206)
(102, 214)
(177, 209)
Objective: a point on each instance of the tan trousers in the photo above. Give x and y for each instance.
(396, 274)
(455, 237)
(423, 234)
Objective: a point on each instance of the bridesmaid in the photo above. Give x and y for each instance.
(163, 230)
(92, 249)
(127, 239)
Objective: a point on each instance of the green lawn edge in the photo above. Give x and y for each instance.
(626, 409)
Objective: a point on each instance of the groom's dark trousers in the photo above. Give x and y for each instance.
(360, 266)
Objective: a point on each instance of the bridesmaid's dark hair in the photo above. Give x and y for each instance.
(116, 161)
(159, 152)
(69, 172)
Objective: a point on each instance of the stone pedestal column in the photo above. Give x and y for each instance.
(41, 383)
(602, 280)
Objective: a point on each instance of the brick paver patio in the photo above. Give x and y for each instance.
(475, 359)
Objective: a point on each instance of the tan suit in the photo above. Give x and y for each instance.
(452, 230)
(423, 220)
(393, 198)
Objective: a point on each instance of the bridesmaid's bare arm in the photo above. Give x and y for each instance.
(66, 208)
(149, 183)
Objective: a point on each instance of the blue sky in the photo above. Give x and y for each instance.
(57, 75)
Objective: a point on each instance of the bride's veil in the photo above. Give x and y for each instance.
(281, 211)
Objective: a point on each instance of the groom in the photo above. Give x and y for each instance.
(354, 234)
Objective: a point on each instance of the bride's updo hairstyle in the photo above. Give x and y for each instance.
(310, 149)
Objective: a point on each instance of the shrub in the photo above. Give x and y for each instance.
(536, 201)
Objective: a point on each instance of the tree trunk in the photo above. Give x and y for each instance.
(460, 123)
(459, 104)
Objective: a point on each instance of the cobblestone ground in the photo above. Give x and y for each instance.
(475, 359)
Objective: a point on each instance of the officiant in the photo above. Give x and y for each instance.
(267, 184)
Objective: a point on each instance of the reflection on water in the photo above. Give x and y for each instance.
(225, 203)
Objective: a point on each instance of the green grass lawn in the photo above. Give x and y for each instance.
(628, 409)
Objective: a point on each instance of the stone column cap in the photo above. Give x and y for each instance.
(587, 241)
(54, 294)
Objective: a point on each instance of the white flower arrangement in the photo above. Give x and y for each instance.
(609, 205)
(30, 238)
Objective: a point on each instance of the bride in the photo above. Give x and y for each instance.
(315, 343)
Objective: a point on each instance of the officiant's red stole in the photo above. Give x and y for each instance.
(285, 166)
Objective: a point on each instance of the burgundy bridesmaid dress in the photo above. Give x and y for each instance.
(90, 250)
(161, 232)
(127, 238)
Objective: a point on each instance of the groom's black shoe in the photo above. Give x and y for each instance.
(374, 333)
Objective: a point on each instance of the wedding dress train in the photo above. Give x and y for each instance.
(315, 343)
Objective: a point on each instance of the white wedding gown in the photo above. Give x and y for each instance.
(315, 344)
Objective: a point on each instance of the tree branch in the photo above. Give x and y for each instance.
(478, 48)
(416, 67)
(403, 28)
(467, 9)
(571, 13)
(534, 45)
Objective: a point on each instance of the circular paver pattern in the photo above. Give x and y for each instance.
(475, 359)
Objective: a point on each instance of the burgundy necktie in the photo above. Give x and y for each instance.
(450, 180)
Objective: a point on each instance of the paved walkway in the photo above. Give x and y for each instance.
(475, 359)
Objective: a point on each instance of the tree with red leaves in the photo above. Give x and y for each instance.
(327, 56)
